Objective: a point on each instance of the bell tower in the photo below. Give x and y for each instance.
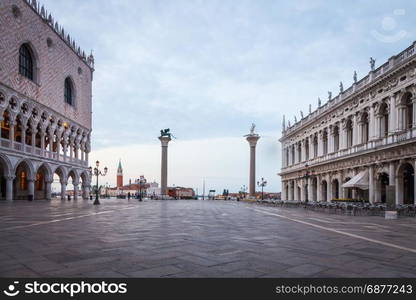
(119, 175)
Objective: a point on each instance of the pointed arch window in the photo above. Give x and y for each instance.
(26, 62)
(69, 91)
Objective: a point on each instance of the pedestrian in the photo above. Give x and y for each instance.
(128, 195)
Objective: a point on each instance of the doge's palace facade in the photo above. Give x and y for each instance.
(360, 144)
(45, 104)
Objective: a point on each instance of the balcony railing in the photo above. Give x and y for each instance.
(28, 149)
(396, 138)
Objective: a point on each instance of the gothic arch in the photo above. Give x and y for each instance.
(48, 169)
(73, 174)
(6, 164)
(29, 165)
(61, 172)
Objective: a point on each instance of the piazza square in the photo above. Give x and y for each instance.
(187, 142)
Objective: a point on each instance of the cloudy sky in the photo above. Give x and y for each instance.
(208, 69)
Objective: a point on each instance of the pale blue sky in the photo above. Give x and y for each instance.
(208, 69)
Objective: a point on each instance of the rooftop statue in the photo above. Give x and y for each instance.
(355, 77)
(372, 63)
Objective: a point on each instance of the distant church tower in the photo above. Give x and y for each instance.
(119, 175)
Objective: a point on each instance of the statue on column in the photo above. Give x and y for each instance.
(166, 132)
(253, 127)
(372, 63)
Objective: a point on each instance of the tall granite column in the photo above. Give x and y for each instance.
(164, 169)
(252, 139)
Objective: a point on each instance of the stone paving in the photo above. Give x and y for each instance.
(122, 238)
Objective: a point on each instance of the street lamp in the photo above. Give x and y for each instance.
(141, 182)
(262, 184)
(96, 172)
(243, 191)
(306, 177)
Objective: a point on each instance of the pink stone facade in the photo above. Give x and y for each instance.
(54, 63)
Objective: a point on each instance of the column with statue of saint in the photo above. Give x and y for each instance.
(252, 139)
(165, 137)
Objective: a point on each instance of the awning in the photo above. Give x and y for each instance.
(359, 181)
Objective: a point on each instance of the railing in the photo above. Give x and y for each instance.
(17, 146)
(398, 137)
(5, 143)
(402, 137)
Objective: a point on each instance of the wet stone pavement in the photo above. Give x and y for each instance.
(122, 238)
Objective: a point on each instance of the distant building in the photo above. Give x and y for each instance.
(148, 189)
(181, 192)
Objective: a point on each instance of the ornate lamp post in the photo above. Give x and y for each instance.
(96, 172)
(243, 191)
(262, 184)
(141, 182)
(307, 176)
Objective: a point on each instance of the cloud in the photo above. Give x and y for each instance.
(207, 69)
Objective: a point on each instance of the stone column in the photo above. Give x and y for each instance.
(340, 183)
(354, 191)
(319, 189)
(252, 140)
(379, 127)
(65, 150)
(392, 179)
(355, 131)
(343, 137)
(164, 140)
(31, 187)
(24, 127)
(33, 140)
(42, 143)
(58, 146)
(371, 124)
(283, 195)
(302, 190)
(9, 187)
(303, 150)
(401, 117)
(399, 191)
(311, 154)
(76, 189)
(11, 133)
(310, 190)
(63, 189)
(329, 189)
(320, 144)
(50, 145)
(392, 116)
(371, 184)
(48, 189)
(71, 150)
